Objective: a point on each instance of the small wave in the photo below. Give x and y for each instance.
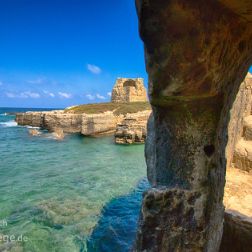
(3, 114)
(50, 136)
(9, 124)
(32, 127)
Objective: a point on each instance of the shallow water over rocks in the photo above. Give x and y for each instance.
(78, 194)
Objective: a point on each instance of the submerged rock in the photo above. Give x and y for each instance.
(34, 132)
(58, 133)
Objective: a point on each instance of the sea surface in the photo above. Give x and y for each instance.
(78, 194)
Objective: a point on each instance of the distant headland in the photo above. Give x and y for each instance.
(125, 116)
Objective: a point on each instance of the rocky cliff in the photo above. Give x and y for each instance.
(197, 54)
(133, 128)
(93, 124)
(239, 146)
(97, 124)
(50, 120)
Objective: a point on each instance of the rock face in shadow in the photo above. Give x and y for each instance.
(129, 90)
(237, 234)
(197, 54)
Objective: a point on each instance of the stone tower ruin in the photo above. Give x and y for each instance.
(129, 90)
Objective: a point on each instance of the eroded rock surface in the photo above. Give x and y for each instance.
(58, 133)
(197, 54)
(69, 123)
(236, 234)
(34, 132)
(133, 128)
(238, 150)
(103, 123)
(129, 90)
(128, 128)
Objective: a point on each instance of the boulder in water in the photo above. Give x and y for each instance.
(58, 133)
(34, 132)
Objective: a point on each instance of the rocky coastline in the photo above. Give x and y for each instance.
(125, 116)
(125, 127)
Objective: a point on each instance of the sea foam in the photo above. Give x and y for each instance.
(32, 127)
(8, 124)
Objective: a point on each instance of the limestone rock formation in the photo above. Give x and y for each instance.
(70, 123)
(86, 124)
(197, 54)
(240, 128)
(242, 158)
(238, 194)
(58, 133)
(129, 90)
(237, 233)
(34, 119)
(133, 129)
(103, 123)
(34, 132)
(89, 124)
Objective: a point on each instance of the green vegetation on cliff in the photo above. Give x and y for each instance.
(118, 108)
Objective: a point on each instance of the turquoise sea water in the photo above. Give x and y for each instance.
(79, 194)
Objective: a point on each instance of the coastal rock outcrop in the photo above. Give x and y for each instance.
(58, 133)
(69, 123)
(197, 54)
(128, 96)
(129, 90)
(239, 146)
(133, 128)
(103, 123)
(34, 119)
(34, 132)
(89, 124)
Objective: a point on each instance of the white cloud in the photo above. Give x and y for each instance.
(36, 81)
(94, 69)
(100, 96)
(49, 93)
(90, 97)
(109, 94)
(29, 94)
(65, 95)
(26, 94)
(10, 95)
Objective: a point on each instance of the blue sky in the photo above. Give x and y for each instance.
(57, 53)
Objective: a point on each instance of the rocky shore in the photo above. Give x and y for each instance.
(133, 128)
(125, 116)
(128, 128)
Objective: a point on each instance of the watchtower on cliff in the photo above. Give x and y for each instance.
(129, 90)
